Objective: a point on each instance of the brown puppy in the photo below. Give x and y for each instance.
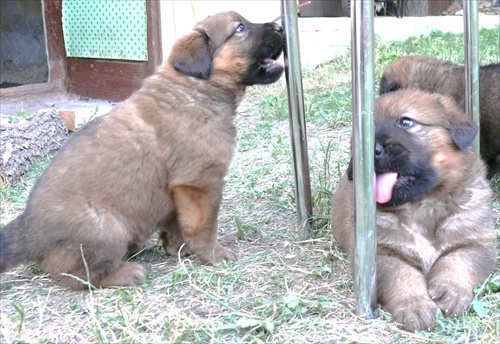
(445, 77)
(156, 161)
(435, 225)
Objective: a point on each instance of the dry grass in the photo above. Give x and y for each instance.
(281, 290)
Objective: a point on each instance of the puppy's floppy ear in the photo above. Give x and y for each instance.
(191, 55)
(462, 129)
(462, 132)
(387, 85)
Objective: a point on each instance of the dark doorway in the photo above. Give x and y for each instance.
(23, 53)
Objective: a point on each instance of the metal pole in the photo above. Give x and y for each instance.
(297, 118)
(471, 62)
(363, 98)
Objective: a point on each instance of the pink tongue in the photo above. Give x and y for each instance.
(384, 185)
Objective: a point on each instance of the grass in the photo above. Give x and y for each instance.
(282, 289)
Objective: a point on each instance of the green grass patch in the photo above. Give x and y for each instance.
(441, 45)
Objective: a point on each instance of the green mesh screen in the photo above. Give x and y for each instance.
(105, 29)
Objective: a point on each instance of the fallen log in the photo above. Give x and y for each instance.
(28, 141)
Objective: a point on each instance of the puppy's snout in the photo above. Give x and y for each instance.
(379, 150)
(277, 27)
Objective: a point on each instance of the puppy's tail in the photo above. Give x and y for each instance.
(11, 252)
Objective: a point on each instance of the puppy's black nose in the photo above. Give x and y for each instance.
(277, 27)
(379, 150)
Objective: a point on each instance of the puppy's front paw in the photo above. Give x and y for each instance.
(222, 253)
(451, 297)
(416, 314)
(217, 255)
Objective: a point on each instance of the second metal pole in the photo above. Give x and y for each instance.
(471, 63)
(297, 118)
(363, 98)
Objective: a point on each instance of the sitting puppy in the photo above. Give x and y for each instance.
(435, 223)
(156, 161)
(445, 77)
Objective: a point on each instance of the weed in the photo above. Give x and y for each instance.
(19, 117)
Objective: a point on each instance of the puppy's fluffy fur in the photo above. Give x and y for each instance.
(156, 161)
(435, 224)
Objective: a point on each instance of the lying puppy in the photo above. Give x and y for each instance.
(156, 161)
(445, 77)
(435, 224)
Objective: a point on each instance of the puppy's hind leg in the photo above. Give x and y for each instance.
(94, 256)
(125, 274)
(109, 274)
(75, 270)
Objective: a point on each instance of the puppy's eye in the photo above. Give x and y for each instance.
(405, 122)
(240, 28)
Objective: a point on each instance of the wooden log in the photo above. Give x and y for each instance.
(68, 118)
(28, 141)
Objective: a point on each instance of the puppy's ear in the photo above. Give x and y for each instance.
(387, 85)
(349, 171)
(462, 129)
(463, 132)
(191, 55)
